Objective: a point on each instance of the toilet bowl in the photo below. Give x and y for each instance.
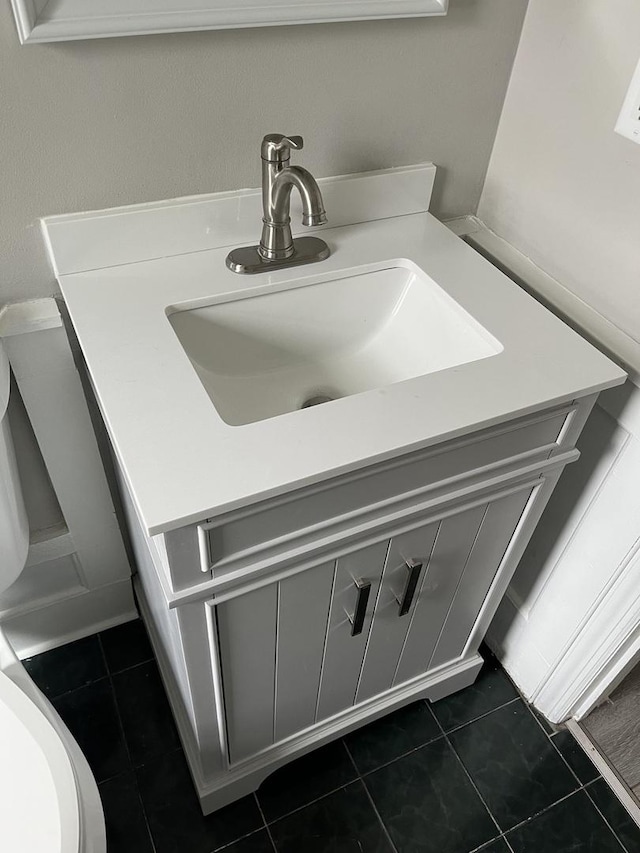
(49, 801)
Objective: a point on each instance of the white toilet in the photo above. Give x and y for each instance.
(49, 801)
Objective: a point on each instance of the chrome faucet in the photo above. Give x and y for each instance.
(277, 248)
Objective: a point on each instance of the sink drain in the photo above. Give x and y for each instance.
(316, 399)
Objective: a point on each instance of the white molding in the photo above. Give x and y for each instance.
(608, 638)
(65, 20)
(79, 242)
(69, 619)
(99, 592)
(569, 644)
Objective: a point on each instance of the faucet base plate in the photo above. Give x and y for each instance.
(306, 250)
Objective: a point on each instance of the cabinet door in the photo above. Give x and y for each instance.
(439, 550)
(498, 528)
(355, 572)
(291, 652)
(271, 644)
(465, 559)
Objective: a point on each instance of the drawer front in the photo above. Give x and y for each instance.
(238, 543)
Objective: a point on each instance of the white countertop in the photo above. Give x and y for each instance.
(183, 463)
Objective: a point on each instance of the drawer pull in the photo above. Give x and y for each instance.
(410, 590)
(357, 623)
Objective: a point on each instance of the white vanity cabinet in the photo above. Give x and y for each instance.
(305, 573)
(289, 623)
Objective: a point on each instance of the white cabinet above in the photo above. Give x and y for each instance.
(66, 20)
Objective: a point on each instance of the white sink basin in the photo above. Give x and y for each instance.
(265, 355)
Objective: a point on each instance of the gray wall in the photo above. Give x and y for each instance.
(116, 121)
(562, 186)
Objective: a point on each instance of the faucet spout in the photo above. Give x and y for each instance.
(277, 242)
(313, 212)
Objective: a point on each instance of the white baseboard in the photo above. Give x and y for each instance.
(70, 619)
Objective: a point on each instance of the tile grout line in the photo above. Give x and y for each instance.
(597, 808)
(370, 798)
(351, 759)
(547, 808)
(443, 734)
(474, 786)
(228, 844)
(379, 816)
(503, 833)
(66, 693)
(583, 785)
(508, 843)
(466, 772)
(107, 676)
(264, 821)
(487, 844)
(591, 781)
(311, 802)
(446, 732)
(132, 768)
(315, 799)
(399, 757)
(549, 735)
(133, 666)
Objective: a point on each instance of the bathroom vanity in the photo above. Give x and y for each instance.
(303, 571)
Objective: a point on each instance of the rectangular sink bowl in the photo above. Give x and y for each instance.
(266, 355)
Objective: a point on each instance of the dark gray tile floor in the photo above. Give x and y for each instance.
(477, 771)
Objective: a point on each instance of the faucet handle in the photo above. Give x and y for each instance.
(276, 148)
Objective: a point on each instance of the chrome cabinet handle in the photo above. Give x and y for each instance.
(410, 589)
(357, 623)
